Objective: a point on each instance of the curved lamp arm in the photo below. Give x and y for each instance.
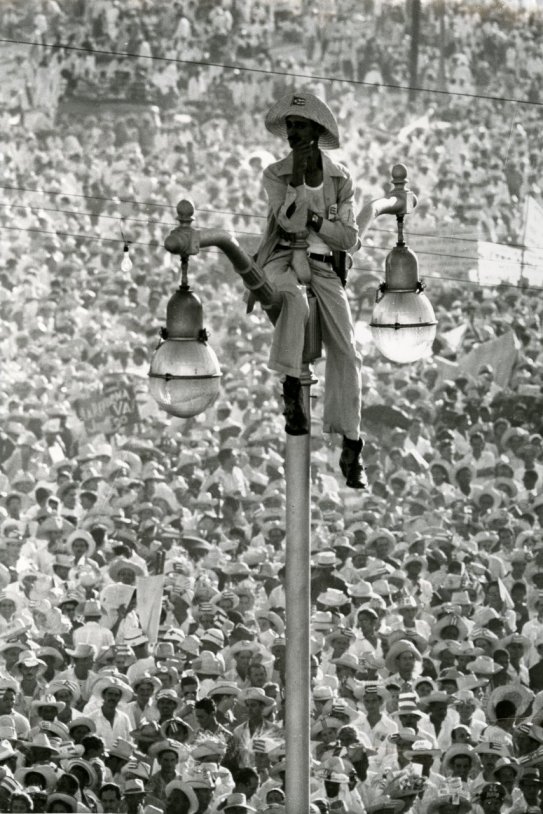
(400, 201)
(185, 240)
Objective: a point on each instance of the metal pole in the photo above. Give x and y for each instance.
(414, 49)
(441, 78)
(298, 609)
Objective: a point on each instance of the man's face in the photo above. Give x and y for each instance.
(461, 764)
(275, 536)
(438, 711)
(250, 787)
(110, 800)
(79, 548)
(366, 623)
(70, 498)
(166, 707)
(144, 693)
(48, 713)
(372, 704)
(406, 661)
(408, 615)
(168, 762)
(7, 700)
(381, 548)
(491, 805)
(255, 710)
(111, 698)
(300, 130)
(242, 661)
(488, 762)
(203, 717)
(258, 675)
(409, 720)
(13, 507)
(189, 692)
(530, 787)
(175, 802)
(477, 444)
(126, 576)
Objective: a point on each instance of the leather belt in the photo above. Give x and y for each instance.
(320, 258)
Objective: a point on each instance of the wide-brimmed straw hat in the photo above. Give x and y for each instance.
(111, 683)
(518, 694)
(237, 801)
(457, 750)
(461, 801)
(386, 804)
(255, 694)
(422, 748)
(308, 106)
(395, 651)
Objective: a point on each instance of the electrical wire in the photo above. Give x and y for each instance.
(368, 246)
(251, 215)
(79, 214)
(156, 244)
(272, 72)
(105, 199)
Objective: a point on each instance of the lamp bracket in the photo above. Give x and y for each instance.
(384, 287)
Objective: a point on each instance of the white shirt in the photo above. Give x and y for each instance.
(121, 727)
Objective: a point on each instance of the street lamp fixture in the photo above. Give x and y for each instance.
(403, 321)
(184, 377)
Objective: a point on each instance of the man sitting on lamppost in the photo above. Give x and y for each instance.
(310, 199)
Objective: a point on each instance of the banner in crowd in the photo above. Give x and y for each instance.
(450, 253)
(149, 604)
(113, 410)
(532, 261)
(499, 263)
(500, 353)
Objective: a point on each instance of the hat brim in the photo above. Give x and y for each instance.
(396, 649)
(262, 699)
(307, 106)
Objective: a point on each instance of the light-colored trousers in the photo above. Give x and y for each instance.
(343, 370)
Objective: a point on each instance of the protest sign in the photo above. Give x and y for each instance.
(113, 410)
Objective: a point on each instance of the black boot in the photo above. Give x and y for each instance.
(294, 412)
(350, 463)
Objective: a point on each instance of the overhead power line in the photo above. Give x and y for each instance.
(273, 72)
(230, 213)
(156, 244)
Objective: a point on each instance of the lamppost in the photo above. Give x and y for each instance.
(184, 380)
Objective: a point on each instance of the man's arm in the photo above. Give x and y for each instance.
(288, 203)
(341, 234)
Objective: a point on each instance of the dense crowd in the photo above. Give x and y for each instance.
(142, 605)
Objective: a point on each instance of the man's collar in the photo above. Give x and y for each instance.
(284, 167)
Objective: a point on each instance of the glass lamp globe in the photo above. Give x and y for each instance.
(413, 337)
(184, 377)
(403, 321)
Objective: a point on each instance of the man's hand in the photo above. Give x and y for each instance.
(301, 153)
(314, 221)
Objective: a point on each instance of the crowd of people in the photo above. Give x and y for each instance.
(142, 604)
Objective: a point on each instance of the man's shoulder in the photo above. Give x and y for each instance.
(279, 168)
(335, 168)
(283, 167)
